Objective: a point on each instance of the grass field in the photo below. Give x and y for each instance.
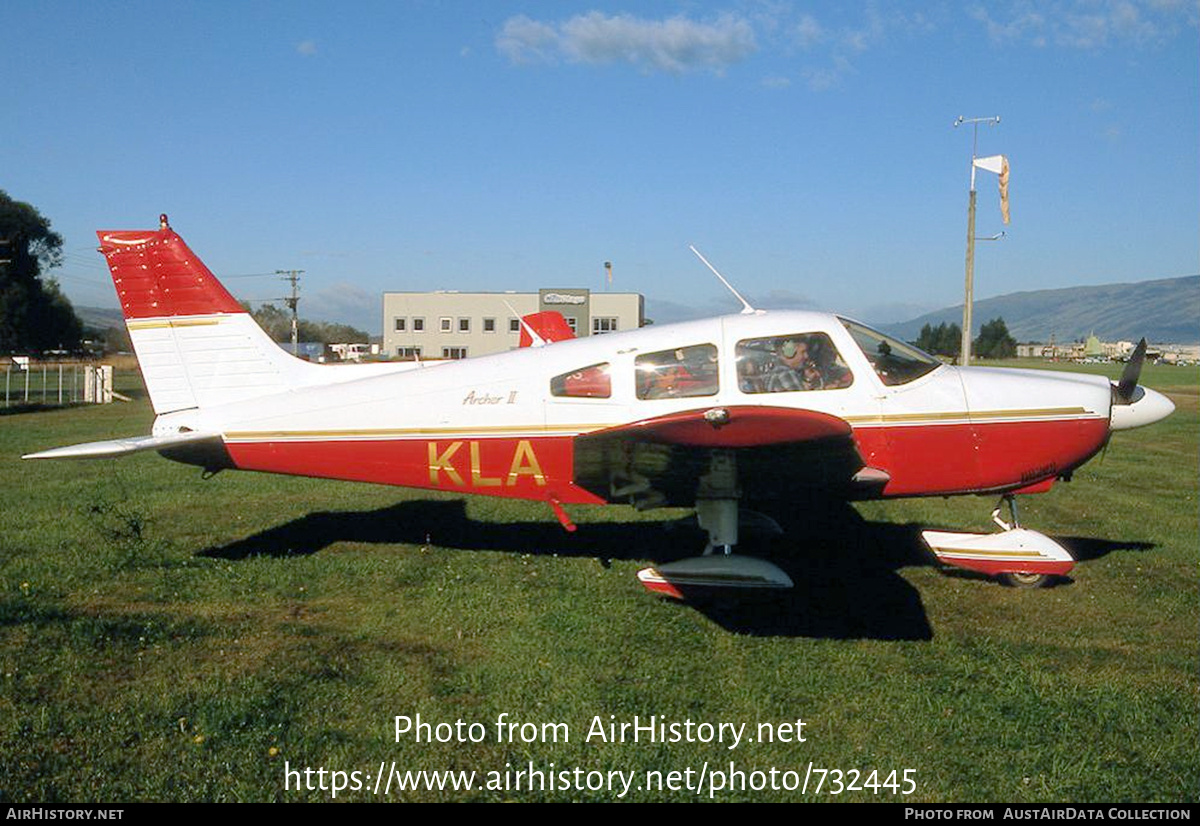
(166, 637)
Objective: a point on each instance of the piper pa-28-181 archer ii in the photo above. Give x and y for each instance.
(705, 414)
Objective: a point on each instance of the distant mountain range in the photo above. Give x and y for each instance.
(1166, 311)
(100, 318)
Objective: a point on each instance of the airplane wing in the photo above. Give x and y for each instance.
(658, 461)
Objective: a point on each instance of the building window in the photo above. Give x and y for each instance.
(571, 322)
(408, 353)
(464, 325)
(514, 325)
(401, 325)
(445, 324)
(418, 325)
(604, 324)
(489, 325)
(454, 352)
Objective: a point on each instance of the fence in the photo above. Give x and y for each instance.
(56, 383)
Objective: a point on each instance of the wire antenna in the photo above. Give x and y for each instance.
(746, 308)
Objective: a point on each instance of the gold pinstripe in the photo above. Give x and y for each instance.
(163, 323)
(908, 419)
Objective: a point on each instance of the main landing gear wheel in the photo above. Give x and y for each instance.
(719, 568)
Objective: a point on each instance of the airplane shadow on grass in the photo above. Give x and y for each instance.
(844, 567)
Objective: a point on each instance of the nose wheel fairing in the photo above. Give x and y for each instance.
(1015, 551)
(1021, 557)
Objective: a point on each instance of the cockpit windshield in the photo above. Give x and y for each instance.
(894, 361)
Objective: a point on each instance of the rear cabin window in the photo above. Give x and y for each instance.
(781, 364)
(594, 382)
(894, 361)
(679, 373)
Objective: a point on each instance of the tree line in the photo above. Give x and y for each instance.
(35, 316)
(994, 342)
(277, 322)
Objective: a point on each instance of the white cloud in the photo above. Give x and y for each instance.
(523, 40)
(306, 48)
(808, 32)
(842, 45)
(675, 45)
(828, 77)
(1085, 24)
(863, 37)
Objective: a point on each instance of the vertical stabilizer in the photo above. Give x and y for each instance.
(548, 325)
(195, 344)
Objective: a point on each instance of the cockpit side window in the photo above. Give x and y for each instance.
(801, 361)
(679, 373)
(592, 382)
(894, 361)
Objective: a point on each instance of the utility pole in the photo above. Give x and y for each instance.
(968, 298)
(293, 301)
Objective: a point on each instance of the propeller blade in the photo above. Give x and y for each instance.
(1129, 377)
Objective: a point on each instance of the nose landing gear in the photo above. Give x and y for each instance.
(1019, 557)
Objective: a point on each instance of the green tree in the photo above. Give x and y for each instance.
(994, 342)
(34, 314)
(925, 339)
(942, 340)
(277, 323)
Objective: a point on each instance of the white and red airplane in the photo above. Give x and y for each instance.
(706, 414)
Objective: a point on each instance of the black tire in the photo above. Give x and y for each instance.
(1020, 579)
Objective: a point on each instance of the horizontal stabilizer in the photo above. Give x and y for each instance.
(122, 447)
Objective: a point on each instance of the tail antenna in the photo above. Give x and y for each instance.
(746, 308)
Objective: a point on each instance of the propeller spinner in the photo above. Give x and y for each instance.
(1132, 404)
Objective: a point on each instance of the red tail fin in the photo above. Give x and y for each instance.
(156, 275)
(549, 324)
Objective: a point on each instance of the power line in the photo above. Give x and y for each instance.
(293, 302)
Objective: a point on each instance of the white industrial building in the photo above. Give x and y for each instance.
(454, 325)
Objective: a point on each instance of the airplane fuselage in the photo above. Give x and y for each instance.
(495, 425)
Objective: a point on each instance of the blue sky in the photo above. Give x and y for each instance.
(806, 148)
